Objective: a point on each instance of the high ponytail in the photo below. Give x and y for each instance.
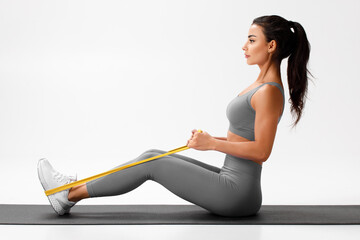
(297, 70)
(295, 45)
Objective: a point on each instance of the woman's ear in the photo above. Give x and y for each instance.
(272, 46)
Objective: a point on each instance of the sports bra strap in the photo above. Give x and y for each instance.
(271, 83)
(274, 84)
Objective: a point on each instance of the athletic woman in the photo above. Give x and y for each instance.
(233, 190)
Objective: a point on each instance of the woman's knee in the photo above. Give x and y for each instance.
(152, 153)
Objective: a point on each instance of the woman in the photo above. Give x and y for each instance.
(233, 190)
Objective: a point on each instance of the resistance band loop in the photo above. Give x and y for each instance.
(79, 182)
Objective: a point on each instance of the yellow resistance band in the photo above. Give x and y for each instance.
(76, 183)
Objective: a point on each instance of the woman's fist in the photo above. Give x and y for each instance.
(200, 140)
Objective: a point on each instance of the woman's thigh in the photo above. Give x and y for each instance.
(155, 152)
(188, 159)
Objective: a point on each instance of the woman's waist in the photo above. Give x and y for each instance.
(238, 165)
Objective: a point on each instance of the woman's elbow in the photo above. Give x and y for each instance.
(263, 151)
(263, 156)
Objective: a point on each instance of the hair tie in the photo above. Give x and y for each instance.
(291, 26)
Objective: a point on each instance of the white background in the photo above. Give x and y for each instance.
(92, 84)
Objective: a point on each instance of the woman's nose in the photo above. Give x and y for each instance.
(244, 47)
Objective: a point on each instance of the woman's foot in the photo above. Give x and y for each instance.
(50, 179)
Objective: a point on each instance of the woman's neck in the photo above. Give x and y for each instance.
(269, 71)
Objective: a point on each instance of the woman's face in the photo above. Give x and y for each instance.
(256, 48)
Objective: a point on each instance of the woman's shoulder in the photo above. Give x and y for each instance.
(269, 93)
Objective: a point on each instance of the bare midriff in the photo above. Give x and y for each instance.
(232, 137)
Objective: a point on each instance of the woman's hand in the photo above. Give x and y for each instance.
(200, 141)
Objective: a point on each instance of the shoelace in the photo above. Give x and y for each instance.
(59, 177)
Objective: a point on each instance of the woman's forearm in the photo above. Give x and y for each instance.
(221, 138)
(248, 150)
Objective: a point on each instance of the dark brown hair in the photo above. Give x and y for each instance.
(295, 45)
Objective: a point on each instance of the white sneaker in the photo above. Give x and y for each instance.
(50, 178)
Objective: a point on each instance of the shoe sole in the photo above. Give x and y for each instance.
(53, 202)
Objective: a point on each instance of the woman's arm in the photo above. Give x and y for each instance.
(267, 103)
(221, 138)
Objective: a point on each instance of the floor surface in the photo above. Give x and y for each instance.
(162, 232)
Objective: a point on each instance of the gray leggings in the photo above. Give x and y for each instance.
(233, 190)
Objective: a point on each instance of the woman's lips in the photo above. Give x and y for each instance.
(246, 56)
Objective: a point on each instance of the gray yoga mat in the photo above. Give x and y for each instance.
(177, 214)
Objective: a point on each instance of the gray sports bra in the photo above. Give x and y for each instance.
(241, 114)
